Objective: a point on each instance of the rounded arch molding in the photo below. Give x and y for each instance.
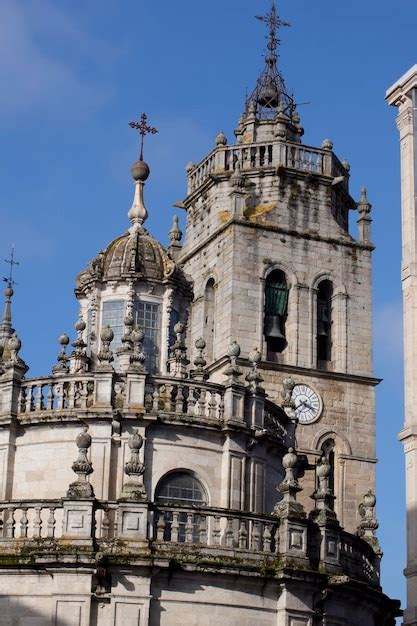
(342, 444)
(288, 270)
(339, 288)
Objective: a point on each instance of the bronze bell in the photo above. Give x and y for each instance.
(322, 329)
(273, 327)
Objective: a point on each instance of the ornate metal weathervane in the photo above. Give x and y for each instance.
(143, 129)
(274, 22)
(12, 262)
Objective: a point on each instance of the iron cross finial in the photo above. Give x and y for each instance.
(144, 129)
(12, 262)
(274, 22)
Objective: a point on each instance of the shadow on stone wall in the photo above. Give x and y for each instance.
(14, 612)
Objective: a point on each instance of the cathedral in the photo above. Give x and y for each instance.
(206, 438)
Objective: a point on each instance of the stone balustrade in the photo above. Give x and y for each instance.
(170, 528)
(216, 528)
(31, 519)
(185, 397)
(262, 155)
(56, 394)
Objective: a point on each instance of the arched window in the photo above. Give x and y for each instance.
(328, 451)
(208, 331)
(324, 324)
(180, 490)
(276, 305)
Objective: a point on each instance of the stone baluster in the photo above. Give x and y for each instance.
(255, 537)
(24, 523)
(229, 533)
(243, 535)
(39, 398)
(50, 523)
(59, 391)
(179, 400)
(10, 524)
(168, 398)
(50, 397)
(189, 528)
(71, 394)
(105, 524)
(267, 538)
(191, 400)
(160, 527)
(175, 527)
(216, 531)
(155, 398)
(212, 405)
(37, 522)
(22, 400)
(29, 399)
(201, 403)
(202, 530)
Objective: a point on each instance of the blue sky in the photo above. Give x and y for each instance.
(73, 74)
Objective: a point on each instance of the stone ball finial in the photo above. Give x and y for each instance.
(107, 334)
(190, 167)
(327, 144)
(179, 328)
(221, 139)
(369, 499)
(64, 340)
(8, 292)
(323, 468)
(135, 441)
(200, 344)
(14, 343)
(346, 165)
(140, 171)
(83, 439)
(234, 350)
(255, 356)
(289, 460)
(80, 325)
(137, 335)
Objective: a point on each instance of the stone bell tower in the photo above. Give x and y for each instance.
(403, 94)
(275, 267)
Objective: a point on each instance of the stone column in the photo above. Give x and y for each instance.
(403, 95)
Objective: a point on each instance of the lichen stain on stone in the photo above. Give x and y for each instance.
(258, 211)
(248, 138)
(225, 216)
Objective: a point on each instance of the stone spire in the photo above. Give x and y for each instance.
(6, 330)
(140, 172)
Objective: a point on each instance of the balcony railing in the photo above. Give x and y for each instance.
(272, 154)
(56, 394)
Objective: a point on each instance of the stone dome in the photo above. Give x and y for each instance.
(132, 255)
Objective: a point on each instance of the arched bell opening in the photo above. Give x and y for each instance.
(324, 324)
(275, 317)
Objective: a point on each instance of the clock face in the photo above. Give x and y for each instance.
(308, 404)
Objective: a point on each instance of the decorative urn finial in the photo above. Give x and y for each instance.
(81, 488)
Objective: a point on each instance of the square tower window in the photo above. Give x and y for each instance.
(147, 316)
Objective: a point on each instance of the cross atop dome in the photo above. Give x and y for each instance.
(270, 94)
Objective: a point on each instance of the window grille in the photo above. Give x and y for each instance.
(147, 316)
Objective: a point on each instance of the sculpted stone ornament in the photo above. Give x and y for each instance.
(233, 369)
(200, 362)
(63, 359)
(288, 403)
(105, 356)
(369, 524)
(81, 488)
(178, 360)
(133, 489)
(137, 357)
(14, 345)
(289, 507)
(254, 378)
(79, 354)
(323, 495)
